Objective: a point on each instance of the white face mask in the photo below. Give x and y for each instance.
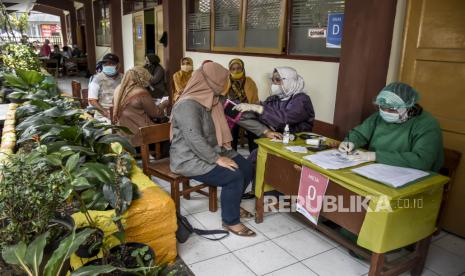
(186, 68)
(398, 117)
(276, 89)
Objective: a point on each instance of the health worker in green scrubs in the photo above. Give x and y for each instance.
(401, 133)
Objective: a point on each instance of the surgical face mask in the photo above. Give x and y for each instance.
(276, 89)
(394, 117)
(109, 70)
(186, 67)
(237, 76)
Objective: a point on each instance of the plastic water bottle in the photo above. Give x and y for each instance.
(286, 135)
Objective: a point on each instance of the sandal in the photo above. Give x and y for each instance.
(245, 214)
(244, 232)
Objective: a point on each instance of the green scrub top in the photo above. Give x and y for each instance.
(416, 143)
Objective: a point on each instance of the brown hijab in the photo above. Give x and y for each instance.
(204, 87)
(136, 77)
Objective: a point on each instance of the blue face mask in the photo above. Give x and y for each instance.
(109, 70)
(390, 117)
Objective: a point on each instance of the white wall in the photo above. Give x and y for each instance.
(100, 51)
(320, 77)
(397, 42)
(128, 42)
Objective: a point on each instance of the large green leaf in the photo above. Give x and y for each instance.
(111, 138)
(15, 255)
(30, 77)
(102, 172)
(80, 149)
(14, 81)
(35, 251)
(125, 193)
(72, 162)
(67, 247)
(17, 95)
(93, 270)
(80, 183)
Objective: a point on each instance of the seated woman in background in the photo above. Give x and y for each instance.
(401, 133)
(133, 106)
(241, 89)
(201, 144)
(157, 82)
(181, 77)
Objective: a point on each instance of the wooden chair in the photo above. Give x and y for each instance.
(161, 168)
(76, 89)
(73, 70)
(451, 162)
(84, 98)
(52, 67)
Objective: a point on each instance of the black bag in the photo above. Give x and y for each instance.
(185, 229)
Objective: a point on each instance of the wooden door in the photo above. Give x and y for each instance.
(158, 33)
(138, 30)
(433, 62)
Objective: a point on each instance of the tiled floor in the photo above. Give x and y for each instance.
(284, 246)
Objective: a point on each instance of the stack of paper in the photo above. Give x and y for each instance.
(333, 160)
(298, 149)
(390, 175)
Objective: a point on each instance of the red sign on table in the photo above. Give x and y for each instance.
(312, 189)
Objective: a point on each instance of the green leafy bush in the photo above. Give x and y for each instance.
(19, 56)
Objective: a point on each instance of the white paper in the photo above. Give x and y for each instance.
(333, 160)
(390, 175)
(298, 149)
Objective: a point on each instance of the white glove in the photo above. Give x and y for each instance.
(243, 107)
(364, 155)
(346, 147)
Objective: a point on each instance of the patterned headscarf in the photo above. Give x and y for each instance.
(136, 77)
(237, 85)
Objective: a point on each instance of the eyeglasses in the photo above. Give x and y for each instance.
(277, 79)
(388, 109)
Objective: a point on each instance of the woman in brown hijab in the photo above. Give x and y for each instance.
(241, 89)
(201, 144)
(181, 77)
(133, 106)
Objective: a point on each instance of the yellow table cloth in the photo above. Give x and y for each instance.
(382, 231)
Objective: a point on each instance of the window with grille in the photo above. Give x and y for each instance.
(227, 15)
(284, 27)
(264, 25)
(309, 20)
(198, 24)
(102, 23)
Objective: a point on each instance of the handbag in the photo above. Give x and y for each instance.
(185, 229)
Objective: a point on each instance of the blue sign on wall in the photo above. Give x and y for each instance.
(334, 31)
(139, 31)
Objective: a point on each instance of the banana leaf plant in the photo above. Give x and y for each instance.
(30, 257)
(30, 84)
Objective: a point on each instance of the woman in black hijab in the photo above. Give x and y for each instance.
(157, 83)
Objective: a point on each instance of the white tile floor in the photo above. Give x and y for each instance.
(285, 246)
